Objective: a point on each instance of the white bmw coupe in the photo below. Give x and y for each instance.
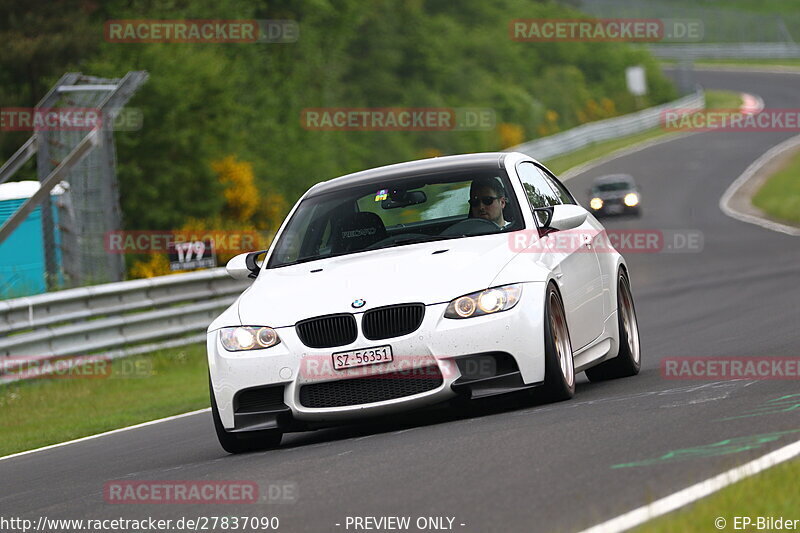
(416, 283)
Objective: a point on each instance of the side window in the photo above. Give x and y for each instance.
(537, 188)
(558, 187)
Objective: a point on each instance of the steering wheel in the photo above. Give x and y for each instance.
(471, 226)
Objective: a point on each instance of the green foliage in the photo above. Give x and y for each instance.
(205, 101)
(40, 41)
(779, 197)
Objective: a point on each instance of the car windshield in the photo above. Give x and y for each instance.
(614, 186)
(397, 212)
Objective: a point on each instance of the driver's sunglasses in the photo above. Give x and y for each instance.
(487, 200)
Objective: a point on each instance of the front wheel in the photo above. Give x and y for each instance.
(242, 442)
(559, 367)
(629, 360)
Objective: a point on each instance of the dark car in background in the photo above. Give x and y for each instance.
(615, 194)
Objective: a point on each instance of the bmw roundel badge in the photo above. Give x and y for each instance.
(358, 303)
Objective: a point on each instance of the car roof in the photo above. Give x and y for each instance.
(486, 160)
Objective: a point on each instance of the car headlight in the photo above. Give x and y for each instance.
(631, 199)
(485, 302)
(596, 203)
(241, 338)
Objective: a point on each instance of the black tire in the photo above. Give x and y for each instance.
(629, 360)
(559, 381)
(242, 442)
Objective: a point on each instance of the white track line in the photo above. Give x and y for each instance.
(695, 492)
(749, 173)
(113, 431)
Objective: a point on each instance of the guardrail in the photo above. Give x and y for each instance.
(114, 319)
(726, 51)
(129, 317)
(603, 130)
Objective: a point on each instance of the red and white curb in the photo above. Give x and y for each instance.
(751, 104)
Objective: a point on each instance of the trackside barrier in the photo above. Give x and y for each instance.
(726, 51)
(603, 130)
(115, 319)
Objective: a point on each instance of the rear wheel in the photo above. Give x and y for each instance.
(629, 360)
(559, 368)
(242, 442)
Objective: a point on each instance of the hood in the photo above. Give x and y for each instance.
(430, 273)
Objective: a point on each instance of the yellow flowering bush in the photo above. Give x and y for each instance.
(248, 221)
(510, 135)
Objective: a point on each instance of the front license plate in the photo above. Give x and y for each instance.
(614, 209)
(366, 356)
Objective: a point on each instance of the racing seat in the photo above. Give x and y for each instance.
(356, 231)
(508, 212)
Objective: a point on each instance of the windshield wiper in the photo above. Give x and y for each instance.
(401, 242)
(412, 240)
(311, 258)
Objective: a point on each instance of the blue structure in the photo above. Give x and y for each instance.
(22, 267)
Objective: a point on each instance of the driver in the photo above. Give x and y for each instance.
(487, 199)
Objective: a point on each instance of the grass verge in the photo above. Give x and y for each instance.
(40, 412)
(47, 411)
(779, 197)
(723, 100)
(597, 150)
(772, 493)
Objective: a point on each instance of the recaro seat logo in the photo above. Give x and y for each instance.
(358, 232)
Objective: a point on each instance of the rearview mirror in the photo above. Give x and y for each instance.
(245, 266)
(404, 199)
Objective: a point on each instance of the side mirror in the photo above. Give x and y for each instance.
(245, 266)
(562, 217)
(544, 215)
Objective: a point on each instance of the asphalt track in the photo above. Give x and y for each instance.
(512, 466)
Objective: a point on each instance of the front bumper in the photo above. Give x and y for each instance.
(434, 348)
(615, 207)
